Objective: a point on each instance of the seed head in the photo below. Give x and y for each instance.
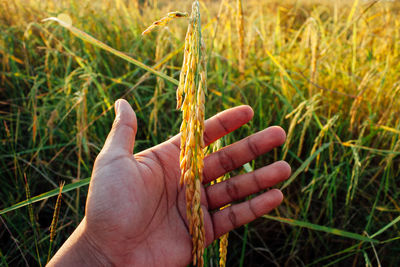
(164, 20)
(190, 98)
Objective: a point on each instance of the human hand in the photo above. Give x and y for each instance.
(136, 210)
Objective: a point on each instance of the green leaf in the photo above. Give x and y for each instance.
(321, 228)
(46, 195)
(304, 165)
(88, 38)
(387, 226)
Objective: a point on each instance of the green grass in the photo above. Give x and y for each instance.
(328, 73)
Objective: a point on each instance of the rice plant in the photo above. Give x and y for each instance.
(327, 71)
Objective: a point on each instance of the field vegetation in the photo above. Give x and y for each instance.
(328, 72)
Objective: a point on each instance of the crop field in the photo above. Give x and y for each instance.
(328, 72)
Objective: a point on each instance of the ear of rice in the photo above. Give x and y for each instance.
(240, 30)
(53, 226)
(164, 20)
(223, 240)
(192, 86)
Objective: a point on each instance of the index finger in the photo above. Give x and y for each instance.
(223, 123)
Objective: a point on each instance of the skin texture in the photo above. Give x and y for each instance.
(135, 210)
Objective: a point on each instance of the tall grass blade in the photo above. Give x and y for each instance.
(240, 30)
(321, 228)
(244, 244)
(46, 195)
(386, 227)
(376, 150)
(304, 165)
(88, 38)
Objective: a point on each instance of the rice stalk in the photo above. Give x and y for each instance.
(160, 48)
(81, 136)
(310, 109)
(394, 101)
(35, 227)
(192, 84)
(296, 116)
(51, 124)
(356, 104)
(164, 20)
(33, 102)
(223, 240)
(240, 30)
(54, 221)
(278, 43)
(88, 38)
(355, 174)
(313, 40)
(377, 48)
(223, 249)
(218, 19)
(321, 135)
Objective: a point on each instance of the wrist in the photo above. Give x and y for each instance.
(80, 250)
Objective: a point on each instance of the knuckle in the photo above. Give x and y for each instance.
(257, 180)
(226, 161)
(206, 139)
(232, 190)
(254, 213)
(232, 217)
(121, 123)
(253, 147)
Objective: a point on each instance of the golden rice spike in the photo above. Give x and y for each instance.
(164, 20)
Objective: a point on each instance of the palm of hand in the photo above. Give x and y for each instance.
(141, 199)
(136, 211)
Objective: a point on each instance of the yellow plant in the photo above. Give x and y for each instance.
(192, 84)
(164, 20)
(240, 30)
(223, 240)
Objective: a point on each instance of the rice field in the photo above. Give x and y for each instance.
(328, 72)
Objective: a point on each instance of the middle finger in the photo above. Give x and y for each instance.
(238, 187)
(241, 152)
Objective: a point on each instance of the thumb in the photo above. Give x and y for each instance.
(122, 135)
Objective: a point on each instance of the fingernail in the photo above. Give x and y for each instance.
(116, 107)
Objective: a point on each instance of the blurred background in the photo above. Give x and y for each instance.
(327, 71)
